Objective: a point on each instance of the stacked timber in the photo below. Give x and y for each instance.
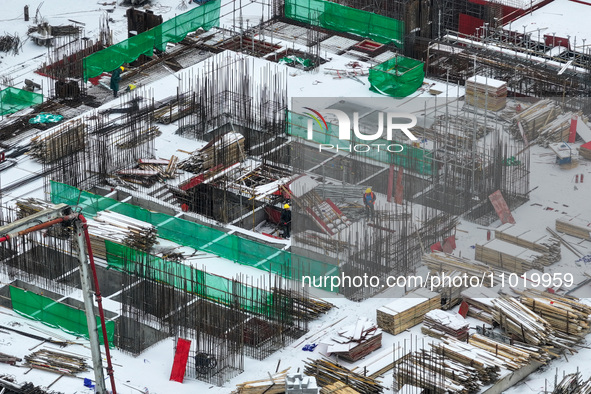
(565, 314)
(222, 151)
(59, 141)
(439, 262)
(480, 303)
(531, 239)
(486, 93)
(356, 341)
(519, 321)
(530, 121)
(151, 170)
(328, 373)
(408, 311)
(585, 150)
(53, 361)
(338, 388)
(438, 323)
(509, 257)
(274, 384)
(575, 226)
(514, 357)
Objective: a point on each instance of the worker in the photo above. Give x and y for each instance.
(369, 200)
(285, 221)
(115, 78)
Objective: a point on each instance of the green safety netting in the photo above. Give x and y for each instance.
(14, 99)
(337, 17)
(55, 314)
(184, 277)
(198, 236)
(176, 29)
(397, 77)
(413, 158)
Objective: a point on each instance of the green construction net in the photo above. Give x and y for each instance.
(14, 99)
(184, 277)
(397, 77)
(176, 29)
(337, 17)
(412, 158)
(200, 237)
(55, 314)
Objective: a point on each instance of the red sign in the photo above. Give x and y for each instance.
(501, 207)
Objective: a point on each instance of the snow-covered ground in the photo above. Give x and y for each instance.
(555, 194)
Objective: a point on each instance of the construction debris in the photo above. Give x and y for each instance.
(52, 361)
(356, 341)
(575, 226)
(327, 373)
(408, 311)
(8, 359)
(224, 150)
(534, 240)
(275, 384)
(517, 320)
(9, 43)
(438, 323)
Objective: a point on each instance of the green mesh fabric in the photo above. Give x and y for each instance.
(56, 315)
(176, 29)
(412, 158)
(340, 18)
(14, 99)
(397, 77)
(186, 233)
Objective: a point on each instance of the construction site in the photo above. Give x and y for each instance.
(347, 196)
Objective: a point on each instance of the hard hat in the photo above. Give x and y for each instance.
(368, 190)
(286, 206)
(122, 69)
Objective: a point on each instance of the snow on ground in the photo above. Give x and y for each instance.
(556, 194)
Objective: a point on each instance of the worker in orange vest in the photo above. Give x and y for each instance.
(369, 200)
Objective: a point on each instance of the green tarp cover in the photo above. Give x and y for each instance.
(176, 29)
(55, 314)
(412, 158)
(14, 99)
(229, 246)
(340, 18)
(397, 77)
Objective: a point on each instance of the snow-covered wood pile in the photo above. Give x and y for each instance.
(59, 141)
(531, 239)
(326, 373)
(356, 341)
(509, 257)
(575, 226)
(274, 384)
(485, 92)
(516, 319)
(407, 311)
(438, 323)
(480, 303)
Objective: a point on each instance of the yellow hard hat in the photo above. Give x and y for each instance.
(122, 69)
(368, 190)
(286, 206)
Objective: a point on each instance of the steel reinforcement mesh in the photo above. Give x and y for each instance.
(200, 237)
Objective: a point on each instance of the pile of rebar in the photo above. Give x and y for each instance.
(9, 43)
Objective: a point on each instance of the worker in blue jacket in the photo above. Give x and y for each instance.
(369, 200)
(115, 78)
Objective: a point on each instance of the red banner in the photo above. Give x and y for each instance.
(501, 207)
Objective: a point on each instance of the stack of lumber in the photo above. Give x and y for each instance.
(274, 384)
(488, 366)
(514, 357)
(439, 262)
(224, 151)
(154, 169)
(531, 239)
(531, 120)
(486, 93)
(338, 388)
(575, 226)
(517, 320)
(557, 130)
(121, 229)
(327, 373)
(509, 257)
(305, 308)
(59, 141)
(29, 206)
(408, 311)
(480, 304)
(356, 341)
(585, 150)
(53, 361)
(8, 359)
(565, 314)
(438, 323)
(573, 384)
